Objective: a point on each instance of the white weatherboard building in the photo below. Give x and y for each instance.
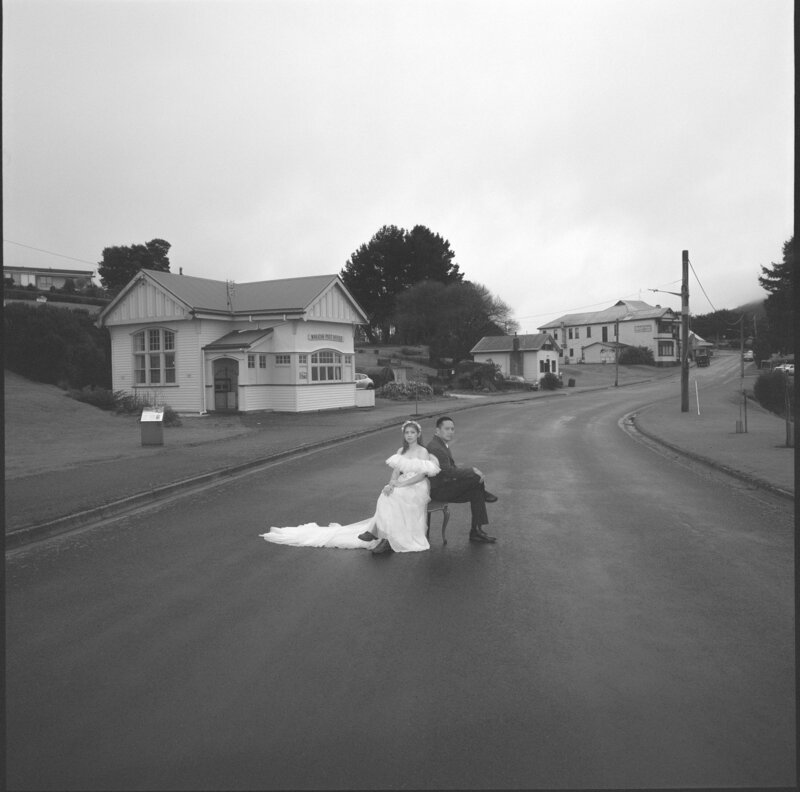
(202, 345)
(528, 356)
(594, 337)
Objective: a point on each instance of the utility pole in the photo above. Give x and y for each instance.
(616, 353)
(685, 334)
(684, 342)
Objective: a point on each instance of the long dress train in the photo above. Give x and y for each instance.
(400, 517)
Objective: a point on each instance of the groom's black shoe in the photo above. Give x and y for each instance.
(489, 498)
(476, 535)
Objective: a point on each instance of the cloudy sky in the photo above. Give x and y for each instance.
(569, 150)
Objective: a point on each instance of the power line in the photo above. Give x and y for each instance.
(701, 287)
(583, 307)
(50, 252)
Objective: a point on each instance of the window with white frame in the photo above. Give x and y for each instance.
(326, 366)
(302, 359)
(283, 360)
(251, 361)
(666, 349)
(262, 361)
(154, 357)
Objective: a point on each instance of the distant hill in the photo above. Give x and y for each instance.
(755, 307)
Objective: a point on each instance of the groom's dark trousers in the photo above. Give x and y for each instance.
(457, 485)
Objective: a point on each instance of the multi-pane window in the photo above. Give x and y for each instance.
(666, 349)
(326, 367)
(282, 360)
(262, 361)
(251, 361)
(154, 357)
(302, 359)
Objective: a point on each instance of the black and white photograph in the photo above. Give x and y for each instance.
(399, 394)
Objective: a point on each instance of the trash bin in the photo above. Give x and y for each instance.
(152, 423)
(570, 383)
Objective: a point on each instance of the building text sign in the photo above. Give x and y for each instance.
(325, 337)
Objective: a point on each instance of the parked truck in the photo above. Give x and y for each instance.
(701, 357)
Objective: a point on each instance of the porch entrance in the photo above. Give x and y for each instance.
(226, 385)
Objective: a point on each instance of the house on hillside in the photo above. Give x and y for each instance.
(203, 345)
(528, 356)
(628, 323)
(46, 279)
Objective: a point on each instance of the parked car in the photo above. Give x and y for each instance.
(786, 368)
(748, 355)
(516, 381)
(363, 381)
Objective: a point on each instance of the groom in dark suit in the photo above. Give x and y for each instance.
(457, 484)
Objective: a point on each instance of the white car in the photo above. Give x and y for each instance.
(786, 368)
(748, 355)
(363, 381)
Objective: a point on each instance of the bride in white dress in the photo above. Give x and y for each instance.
(400, 519)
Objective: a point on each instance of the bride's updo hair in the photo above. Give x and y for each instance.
(403, 432)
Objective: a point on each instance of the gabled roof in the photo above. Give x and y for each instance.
(241, 339)
(287, 295)
(505, 343)
(609, 344)
(622, 311)
(695, 340)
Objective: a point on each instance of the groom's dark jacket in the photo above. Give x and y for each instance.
(457, 484)
(450, 472)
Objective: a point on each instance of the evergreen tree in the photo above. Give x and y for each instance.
(391, 262)
(780, 281)
(122, 262)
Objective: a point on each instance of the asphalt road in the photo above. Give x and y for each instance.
(632, 627)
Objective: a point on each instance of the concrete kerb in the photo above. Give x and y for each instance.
(747, 478)
(33, 533)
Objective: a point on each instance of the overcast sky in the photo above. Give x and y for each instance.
(568, 150)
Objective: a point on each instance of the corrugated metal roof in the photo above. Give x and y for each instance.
(624, 310)
(240, 339)
(288, 294)
(505, 343)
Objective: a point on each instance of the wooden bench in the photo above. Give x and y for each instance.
(444, 508)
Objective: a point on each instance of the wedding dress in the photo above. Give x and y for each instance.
(400, 517)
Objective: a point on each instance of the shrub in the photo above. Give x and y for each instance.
(770, 392)
(478, 376)
(550, 381)
(123, 403)
(171, 418)
(404, 391)
(636, 356)
(103, 398)
(56, 346)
